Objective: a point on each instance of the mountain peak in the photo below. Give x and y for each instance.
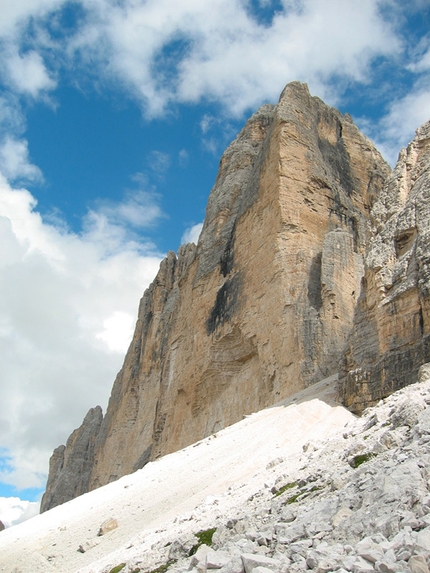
(281, 292)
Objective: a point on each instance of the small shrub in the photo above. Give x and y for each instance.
(118, 568)
(204, 538)
(361, 459)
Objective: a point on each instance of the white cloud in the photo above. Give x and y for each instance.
(159, 162)
(138, 209)
(192, 234)
(67, 302)
(117, 331)
(15, 14)
(423, 63)
(14, 510)
(28, 73)
(184, 52)
(207, 122)
(397, 127)
(15, 162)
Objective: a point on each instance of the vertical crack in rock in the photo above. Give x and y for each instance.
(314, 283)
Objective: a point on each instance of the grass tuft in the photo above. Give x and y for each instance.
(285, 488)
(204, 538)
(361, 459)
(118, 568)
(163, 568)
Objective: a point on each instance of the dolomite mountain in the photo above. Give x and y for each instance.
(312, 261)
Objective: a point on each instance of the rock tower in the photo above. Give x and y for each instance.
(261, 307)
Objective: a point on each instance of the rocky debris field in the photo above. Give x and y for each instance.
(302, 486)
(358, 502)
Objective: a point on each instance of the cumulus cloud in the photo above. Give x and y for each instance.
(14, 161)
(219, 51)
(67, 306)
(28, 73)
(16, 14)
(163, 54)
(192, 234)
(398, 126)
(14, 510)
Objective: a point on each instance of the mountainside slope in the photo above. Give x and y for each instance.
(230, 463)
(259, 309)
(304, 487)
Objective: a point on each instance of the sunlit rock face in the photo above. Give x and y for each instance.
(390, 338)
(263, 305)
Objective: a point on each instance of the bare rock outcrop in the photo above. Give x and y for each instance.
(262, 306)
(70, 466)
(390, 338)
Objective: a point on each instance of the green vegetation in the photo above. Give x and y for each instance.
(285, 488)
(361, 459)
(118, 568)
(162, 568)
(293, 498)
(302, 493)
(204, 538)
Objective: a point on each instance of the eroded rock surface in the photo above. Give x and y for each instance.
(262, 306)
(74, 459)
(390, 337)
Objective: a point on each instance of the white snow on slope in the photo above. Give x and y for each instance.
(178, 493)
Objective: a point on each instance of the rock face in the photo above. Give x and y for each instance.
(390, 337)
(74, 459)
(261, 307)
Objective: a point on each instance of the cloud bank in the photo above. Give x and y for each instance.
(237, 53)
(14, 510)
(68, 304)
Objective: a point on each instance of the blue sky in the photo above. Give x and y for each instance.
(113, 118)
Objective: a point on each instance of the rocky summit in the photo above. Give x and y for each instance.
(312, 262)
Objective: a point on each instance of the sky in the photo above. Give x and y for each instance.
(113, 118)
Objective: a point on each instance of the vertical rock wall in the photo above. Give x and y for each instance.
(390, 338)
(261, 307)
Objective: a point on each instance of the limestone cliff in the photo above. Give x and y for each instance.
(74, 459)
(390, 338)
(262, 306)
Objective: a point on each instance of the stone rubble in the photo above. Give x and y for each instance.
(360, 502)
